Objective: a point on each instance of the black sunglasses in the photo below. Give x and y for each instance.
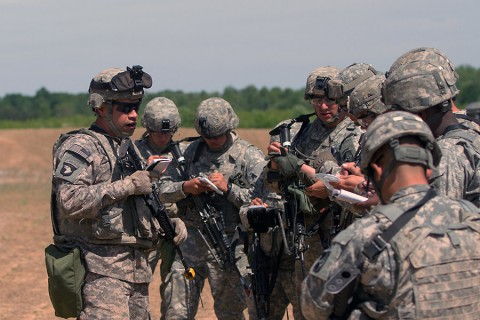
(126, 107)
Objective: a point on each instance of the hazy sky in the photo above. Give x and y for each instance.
(195, 45)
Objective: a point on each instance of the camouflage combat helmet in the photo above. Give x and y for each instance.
(422, 54)
(116, 83)
(367, 97)
(161, 114)
(419, 85)
(388, 128)
(316, 81)
(214, 117)
(420, 79)
(348, 78)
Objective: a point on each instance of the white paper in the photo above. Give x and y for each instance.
(347, 196)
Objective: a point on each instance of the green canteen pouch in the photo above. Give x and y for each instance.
(66, 274)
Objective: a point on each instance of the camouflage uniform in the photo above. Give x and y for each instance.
(385, 287)
(94, 206)
(458, 174)
(424, 78)
(377, 290)
(161, 115)
(284, 289)
(240, 163)
(113, 256)
(342, 141)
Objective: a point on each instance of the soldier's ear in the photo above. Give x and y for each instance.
(376, 171)
(102, 111)
(428, 173)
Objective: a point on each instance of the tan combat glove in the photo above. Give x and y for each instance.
(180, 231)
(140, 182)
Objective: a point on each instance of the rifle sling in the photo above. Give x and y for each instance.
(380, 241)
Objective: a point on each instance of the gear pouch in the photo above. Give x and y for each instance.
(66, 274)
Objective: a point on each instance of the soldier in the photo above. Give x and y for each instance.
(331, 133)
(274, 270)
(232, 165)
(386, 261)
(422, 81)
(161, 120)
(365, 104)
(97, 199)
(366, 101)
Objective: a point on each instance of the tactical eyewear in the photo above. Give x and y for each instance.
(318, 101)
(214, 138)
(126, 107)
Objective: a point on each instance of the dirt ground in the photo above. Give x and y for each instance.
(25, 227)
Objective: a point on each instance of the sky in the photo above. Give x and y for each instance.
(195, 45)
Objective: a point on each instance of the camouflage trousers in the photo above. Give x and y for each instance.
(113, 299)
(164, 252)
(285, 291)
(182, 297)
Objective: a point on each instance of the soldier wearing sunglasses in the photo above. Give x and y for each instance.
(98, 204)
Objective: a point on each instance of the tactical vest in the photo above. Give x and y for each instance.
(228, 211)
(444, 268)
(124, 222)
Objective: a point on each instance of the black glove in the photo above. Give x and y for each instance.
(288, 164)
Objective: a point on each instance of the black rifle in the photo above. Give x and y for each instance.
(265, 269)
(294, 218)
(216, 239)
(156, 207)
(260, 279)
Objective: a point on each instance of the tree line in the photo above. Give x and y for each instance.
(256, 107)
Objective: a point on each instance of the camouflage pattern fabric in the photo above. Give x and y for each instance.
(366, 97)
(214, 117)
(382, 292)
(311, 89)
(157, 111)
(163, 251)
(124, 300)
(419, 85)
(469, 123)
(241, 164)
(85, 193)
(342, 141)
(458, 174)
(286, 288)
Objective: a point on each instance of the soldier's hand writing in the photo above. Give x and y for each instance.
(194, 186)
(351, 168)
(219, 180)
(318, 189)
(141, 182)
(180, 231)
(348, 183)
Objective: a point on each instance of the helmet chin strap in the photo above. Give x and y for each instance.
(378, 185)
(111, 125)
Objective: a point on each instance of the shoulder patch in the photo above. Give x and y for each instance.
(81, 151)
(71, 165)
